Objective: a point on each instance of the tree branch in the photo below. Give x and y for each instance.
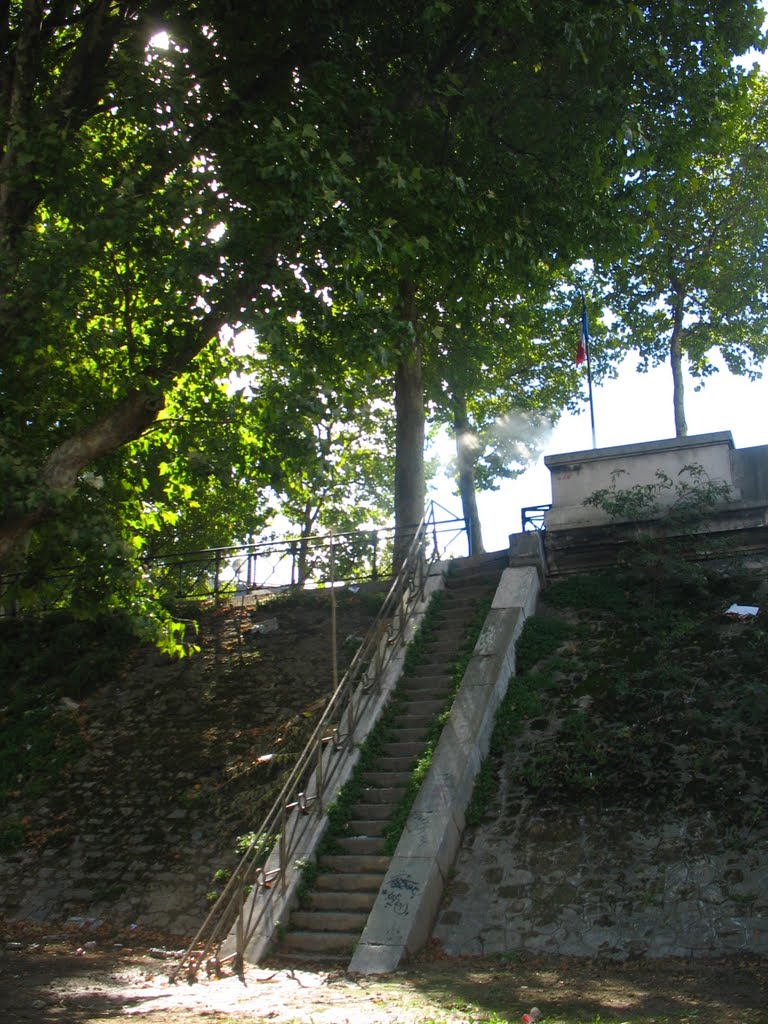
(124, 422)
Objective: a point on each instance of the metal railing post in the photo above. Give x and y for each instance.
(283, 854)
(216, 578)
(320, 781)
(239, 935)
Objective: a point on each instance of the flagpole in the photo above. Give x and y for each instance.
(585, 333)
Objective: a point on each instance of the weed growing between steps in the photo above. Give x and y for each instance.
(340, 812)
(400, 814)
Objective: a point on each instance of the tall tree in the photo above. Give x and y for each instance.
(149, 197)
(510, 127)
(694, 280)
(502, 377)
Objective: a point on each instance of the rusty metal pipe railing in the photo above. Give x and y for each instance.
(314, 780)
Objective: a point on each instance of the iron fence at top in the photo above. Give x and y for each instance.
(533, 517)
(239, 571)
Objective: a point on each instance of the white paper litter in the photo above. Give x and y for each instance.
(742, 611)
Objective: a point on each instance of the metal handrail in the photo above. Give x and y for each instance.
(533, 516)
(233, 572)
(317, 775)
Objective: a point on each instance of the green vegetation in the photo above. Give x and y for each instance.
(678, 504)
(540, 639)
(693, 282)
(340, 812)
(662, 700)
(249, 255)
(47, 668)
(401, 811)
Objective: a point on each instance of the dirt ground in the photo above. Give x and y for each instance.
(59, 982)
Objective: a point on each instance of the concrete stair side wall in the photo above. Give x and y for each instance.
(407, 904)
(267, 910)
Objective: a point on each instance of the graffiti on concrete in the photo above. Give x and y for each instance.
(399, 893)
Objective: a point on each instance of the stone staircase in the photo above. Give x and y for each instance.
(348, 882)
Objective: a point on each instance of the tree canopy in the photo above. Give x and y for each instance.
(694, 277)
(172, 174)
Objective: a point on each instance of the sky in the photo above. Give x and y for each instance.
(632, 408)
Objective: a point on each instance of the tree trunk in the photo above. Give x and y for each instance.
(124, 422)
(465, 473)
(127, 420)
(676, 359)
(311, 512)
(409, 436)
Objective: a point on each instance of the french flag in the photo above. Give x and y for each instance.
(581, 351)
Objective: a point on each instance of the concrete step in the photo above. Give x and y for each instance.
(372, 812)
(403, 750)
(453, 635)
(478, 568)
(434, 694)
(320, 942)
(382, 794)
(416, 734)
(362, 845)
(353, 864)
(386, 779)
(392, 764)
(417, 702)
(466, 593)
(341, 881)
(427, 690)
(422, 708)
(444, 650)
(279, 960)
(424, 677)
(366, 827)
(439, 669)
(422, 721)
(336, 900)
(329, 920)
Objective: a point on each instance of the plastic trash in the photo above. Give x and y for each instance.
(741, 611)
(264, 628)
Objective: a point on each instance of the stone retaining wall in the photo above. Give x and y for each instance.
(608, 883)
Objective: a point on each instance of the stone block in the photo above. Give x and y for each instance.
(481, 671)
(473, 714)
(453, 771)
(432, 833)
(518, 588)
(500, 632)
(576, 475)
(370, 958)
(402, 917)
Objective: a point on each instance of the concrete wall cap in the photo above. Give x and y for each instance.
(641, 448)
